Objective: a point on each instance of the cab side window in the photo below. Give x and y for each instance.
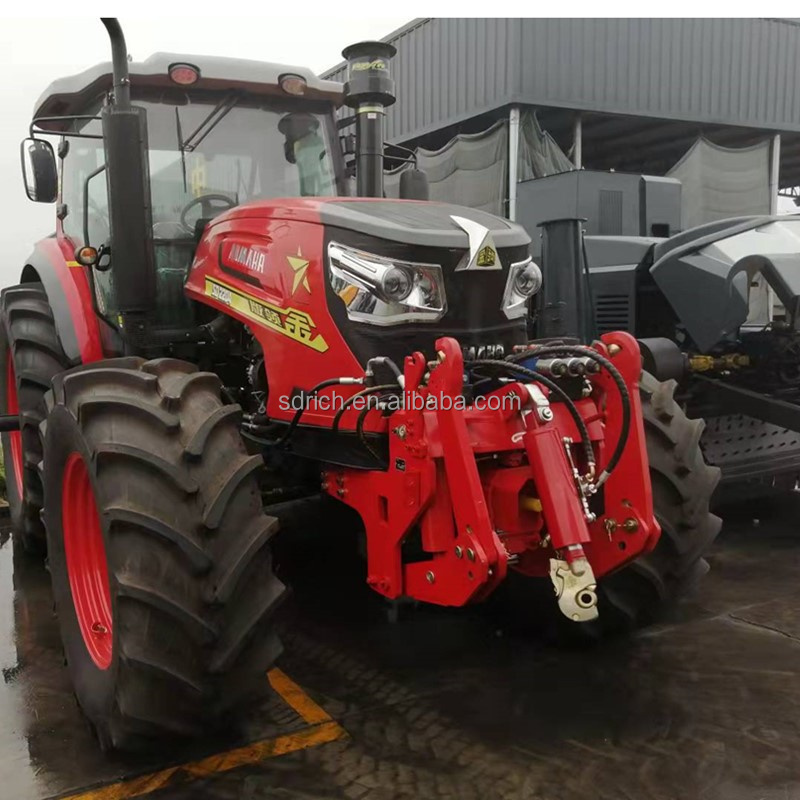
(83, 157)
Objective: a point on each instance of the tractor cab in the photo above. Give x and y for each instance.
(220, 132)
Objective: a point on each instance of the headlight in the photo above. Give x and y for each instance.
(386, 291)
(524, 280)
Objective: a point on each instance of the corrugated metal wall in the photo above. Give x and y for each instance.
(448, 69)
(730, 71)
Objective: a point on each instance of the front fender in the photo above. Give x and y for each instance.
(70, 296)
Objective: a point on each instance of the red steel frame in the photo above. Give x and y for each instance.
(472, 480)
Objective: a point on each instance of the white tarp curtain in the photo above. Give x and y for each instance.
(469, 170)
(720, 182)
(472, 169)
(539, 154)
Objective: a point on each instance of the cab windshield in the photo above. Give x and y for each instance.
(236, 147)
(229, 146)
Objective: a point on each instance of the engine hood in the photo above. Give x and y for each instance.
(416, 222)
(474, 250)
(705, 273)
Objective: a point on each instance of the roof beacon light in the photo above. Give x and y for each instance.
(184, 74)
(293, 84)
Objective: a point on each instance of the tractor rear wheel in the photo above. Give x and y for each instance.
(158, 550)
(30, 355)
(635, 595)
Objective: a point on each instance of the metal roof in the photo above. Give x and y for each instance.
(71, 94)
(740, 72)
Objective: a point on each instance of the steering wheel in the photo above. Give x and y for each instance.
(206, 203)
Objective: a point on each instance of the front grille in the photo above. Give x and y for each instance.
(612, 312)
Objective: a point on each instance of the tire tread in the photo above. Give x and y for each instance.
(32, 340)
(186, 542)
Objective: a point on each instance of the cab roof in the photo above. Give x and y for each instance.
(72, 94)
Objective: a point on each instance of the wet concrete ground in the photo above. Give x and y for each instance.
(445, 704)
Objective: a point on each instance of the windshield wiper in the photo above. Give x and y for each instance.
(180, 147)
(220, 111)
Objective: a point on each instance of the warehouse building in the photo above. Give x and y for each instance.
(492, 105)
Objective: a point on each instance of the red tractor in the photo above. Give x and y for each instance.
(185, 337)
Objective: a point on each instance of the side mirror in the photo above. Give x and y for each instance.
(39, 170)
(414, 185)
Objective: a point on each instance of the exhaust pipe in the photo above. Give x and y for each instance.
(369, 90)
(119, 62)
(129, 203)
(565, 304)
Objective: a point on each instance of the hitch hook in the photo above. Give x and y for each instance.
(576, 589)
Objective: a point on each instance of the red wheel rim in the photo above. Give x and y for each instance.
(12, 408)
(86, 561)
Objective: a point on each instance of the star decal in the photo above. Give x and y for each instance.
(300, 267)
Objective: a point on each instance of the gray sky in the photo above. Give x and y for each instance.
(35, 51)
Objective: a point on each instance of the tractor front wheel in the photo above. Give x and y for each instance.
(639, 592)
(158, 550)
(682, 488)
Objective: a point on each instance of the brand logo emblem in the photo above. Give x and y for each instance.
(482, 251)
(248, 258)
(487, 257)
(300, 267)
(360, 66)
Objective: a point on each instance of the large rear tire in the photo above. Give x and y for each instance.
(158, 550)
(30, 355)
(639, 593)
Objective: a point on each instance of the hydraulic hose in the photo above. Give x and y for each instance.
(588, 352)
(286, 435)
(389, 363)
(554, 388)
(363, 393)
(362, 436)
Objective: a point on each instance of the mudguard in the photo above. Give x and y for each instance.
(69, 293)
(704, 274)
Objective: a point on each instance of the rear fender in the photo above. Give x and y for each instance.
(705, 273)
(70, 296)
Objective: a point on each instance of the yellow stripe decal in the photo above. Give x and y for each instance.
(291, 322)
(73, 264)
(322, 729)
